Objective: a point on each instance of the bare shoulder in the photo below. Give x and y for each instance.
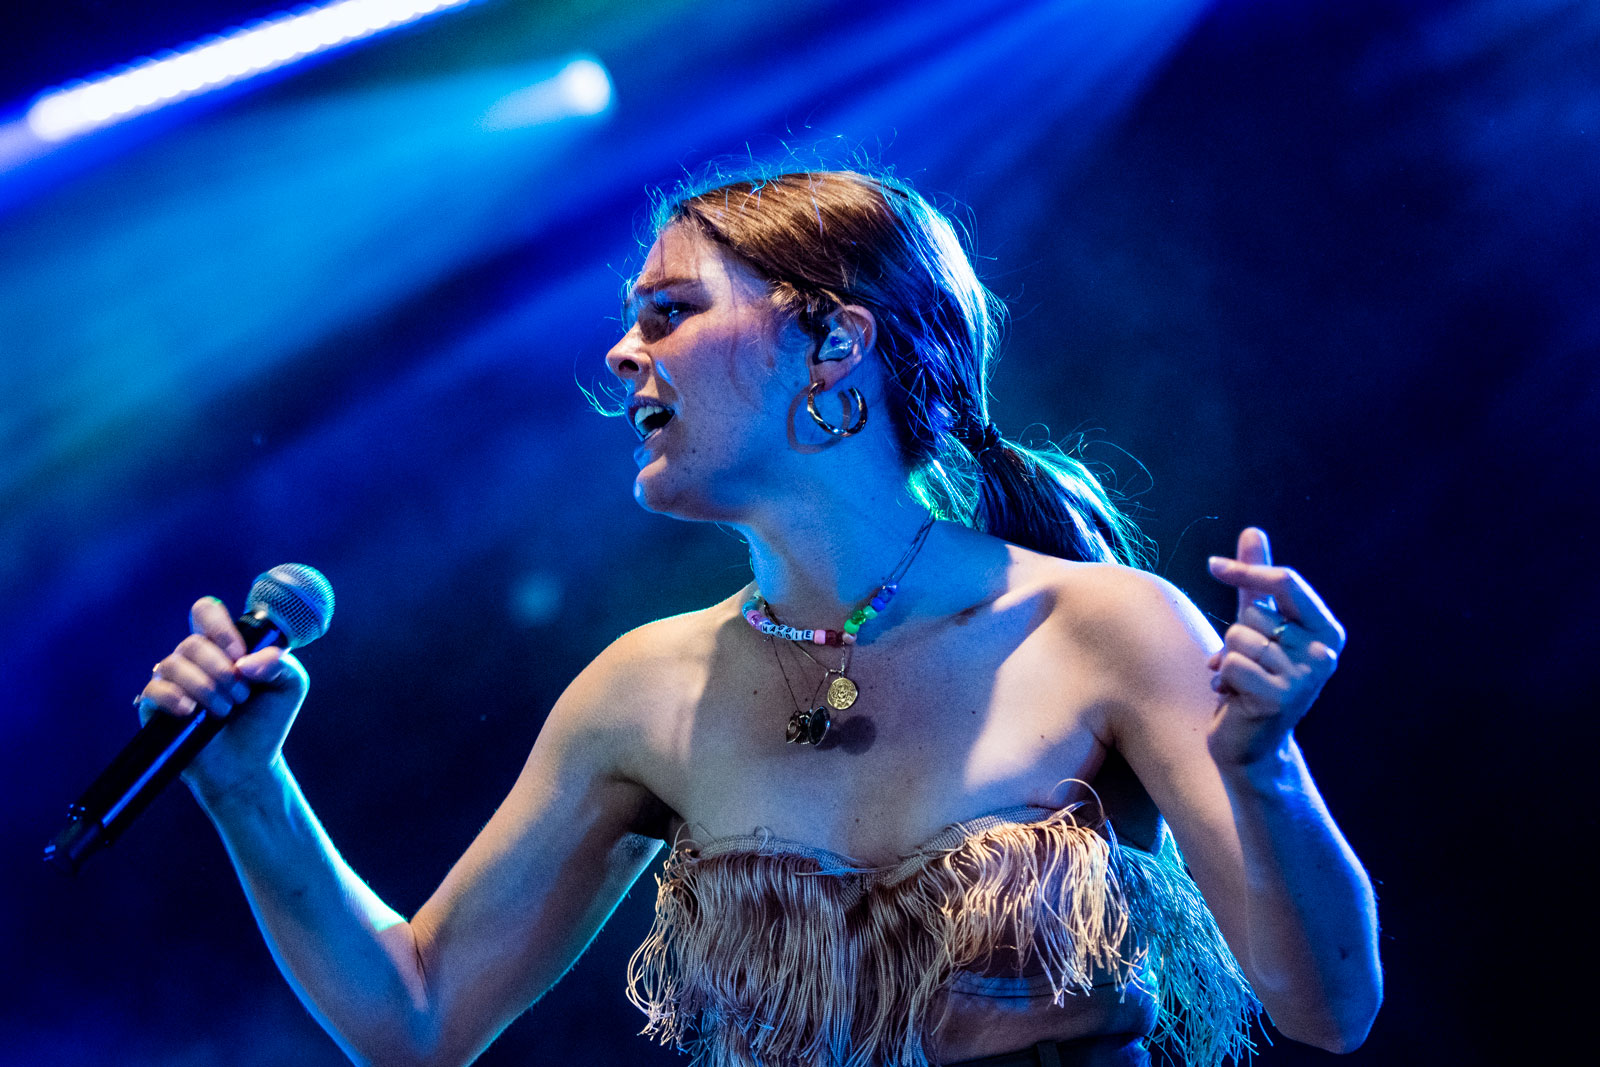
(1139, 633)
(1122, 608)
(624, 706)
(646, 666)
(1130, 610)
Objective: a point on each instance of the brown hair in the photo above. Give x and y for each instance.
(824, 239)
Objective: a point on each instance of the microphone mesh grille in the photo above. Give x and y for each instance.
(297, 598)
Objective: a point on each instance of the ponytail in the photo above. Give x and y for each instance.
(1051, 502)
(1045, 499)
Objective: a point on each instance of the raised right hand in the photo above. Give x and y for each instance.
(209, 669)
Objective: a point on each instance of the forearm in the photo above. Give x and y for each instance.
(348, 956)
(1311, 921)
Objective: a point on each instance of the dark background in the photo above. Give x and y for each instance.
(1326, 267)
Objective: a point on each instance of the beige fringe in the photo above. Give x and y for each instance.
(778, 955)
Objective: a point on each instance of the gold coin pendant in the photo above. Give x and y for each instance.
(841, 693)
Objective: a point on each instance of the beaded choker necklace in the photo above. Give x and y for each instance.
(808, 726)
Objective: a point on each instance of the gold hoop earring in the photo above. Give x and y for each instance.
(851, 396)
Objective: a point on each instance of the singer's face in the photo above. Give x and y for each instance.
(711, 370)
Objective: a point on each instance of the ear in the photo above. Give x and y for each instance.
(852, 333)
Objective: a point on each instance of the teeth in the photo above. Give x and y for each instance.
(643, 412)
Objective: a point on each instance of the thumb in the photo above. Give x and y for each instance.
(1254, 549)
(266, 666)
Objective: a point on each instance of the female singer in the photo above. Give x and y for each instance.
(924, 780)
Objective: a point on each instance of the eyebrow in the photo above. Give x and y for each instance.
(636, 296)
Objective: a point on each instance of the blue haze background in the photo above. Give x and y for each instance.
(1326, 267)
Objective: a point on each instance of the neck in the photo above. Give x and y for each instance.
(814, 566)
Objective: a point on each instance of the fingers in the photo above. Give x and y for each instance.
(1242, 675)
(201, 672)
(265, 667)
(1252, 550)
(197, 655)
(1265, 619)
(1256, 647)
(1253, 546)
(161, 693)
(209, 618)
(1252, 663)
(1293, 597)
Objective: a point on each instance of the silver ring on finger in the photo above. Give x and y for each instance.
(1277, 632)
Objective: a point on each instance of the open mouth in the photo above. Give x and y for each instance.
(648, 418)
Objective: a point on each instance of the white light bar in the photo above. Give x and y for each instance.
(218, 61)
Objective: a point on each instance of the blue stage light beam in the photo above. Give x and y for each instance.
(210, 64)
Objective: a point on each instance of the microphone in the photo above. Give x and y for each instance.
(289, 606)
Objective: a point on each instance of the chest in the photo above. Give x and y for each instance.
(956, 720)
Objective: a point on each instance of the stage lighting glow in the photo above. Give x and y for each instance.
(210, 64)
(581, 87)
(585, 86)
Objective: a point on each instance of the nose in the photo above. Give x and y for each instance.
(627, 358)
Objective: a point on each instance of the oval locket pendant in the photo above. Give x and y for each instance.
(808, 727)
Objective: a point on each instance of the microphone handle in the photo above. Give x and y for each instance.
(161, 749)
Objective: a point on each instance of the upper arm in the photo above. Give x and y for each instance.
(1153, 645)
(544, 874)
(1285, 887)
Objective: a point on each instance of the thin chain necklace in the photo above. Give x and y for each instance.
(810, 722)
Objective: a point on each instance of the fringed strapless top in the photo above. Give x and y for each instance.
(770, 953)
